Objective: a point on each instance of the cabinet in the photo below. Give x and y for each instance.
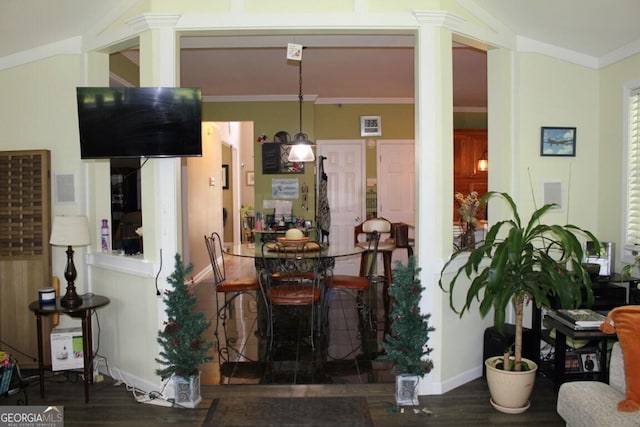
(25, 253)
(468, 146)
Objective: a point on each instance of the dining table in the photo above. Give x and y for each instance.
(263, 253)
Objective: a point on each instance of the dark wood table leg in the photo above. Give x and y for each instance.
(40, 354)
(603, 375)
(560, 357)
(86, 349)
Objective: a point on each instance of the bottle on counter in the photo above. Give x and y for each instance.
(104, 236)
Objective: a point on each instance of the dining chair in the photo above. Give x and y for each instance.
(386, 246)
(359, 288)
(292, 282)
(231, 351)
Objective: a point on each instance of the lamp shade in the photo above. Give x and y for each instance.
(483, 163)
(301, 150)
(70, 231)
(301, 153)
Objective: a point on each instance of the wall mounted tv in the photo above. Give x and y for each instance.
(139, 122)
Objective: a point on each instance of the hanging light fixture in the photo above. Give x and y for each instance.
(483, 162)
(301, 150)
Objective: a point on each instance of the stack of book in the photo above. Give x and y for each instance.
(581, 318)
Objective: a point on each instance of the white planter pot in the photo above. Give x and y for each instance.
(510, 390)
(185, 391)
(407, 390)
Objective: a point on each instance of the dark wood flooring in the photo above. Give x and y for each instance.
(114, 405)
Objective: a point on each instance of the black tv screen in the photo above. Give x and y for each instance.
(139, 122)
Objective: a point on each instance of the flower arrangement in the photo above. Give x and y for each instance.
(468, 207)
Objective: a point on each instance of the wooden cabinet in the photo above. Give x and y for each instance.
(468, 146)
(25, 253)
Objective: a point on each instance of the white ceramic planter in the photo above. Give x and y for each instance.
(510, 390)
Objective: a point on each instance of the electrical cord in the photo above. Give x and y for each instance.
(158, 275)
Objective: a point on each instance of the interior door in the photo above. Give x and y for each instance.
(396, 184)
(345, 189)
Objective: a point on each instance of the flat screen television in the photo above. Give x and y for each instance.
(118, 122)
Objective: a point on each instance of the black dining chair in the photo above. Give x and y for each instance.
(361, 289)
(293, 285)
(232, 351)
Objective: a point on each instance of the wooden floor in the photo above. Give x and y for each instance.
(114, 405)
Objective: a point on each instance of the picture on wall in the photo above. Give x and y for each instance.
(558, 141)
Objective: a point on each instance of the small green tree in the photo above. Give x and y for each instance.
(183, 347)
(406, 343)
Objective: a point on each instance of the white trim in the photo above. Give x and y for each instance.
(133, 265)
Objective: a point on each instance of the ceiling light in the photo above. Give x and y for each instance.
(301, 150)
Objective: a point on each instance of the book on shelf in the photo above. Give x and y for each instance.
(581, 317)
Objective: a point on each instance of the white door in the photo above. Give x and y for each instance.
(396, 184)
(345, 189)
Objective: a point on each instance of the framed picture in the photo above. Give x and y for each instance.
(251, 178)
(589, 362)
(225, 177)
(370, 126)
(558, 141)
(275, 159)
(572, 363)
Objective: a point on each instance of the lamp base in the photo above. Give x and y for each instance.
(71, 299)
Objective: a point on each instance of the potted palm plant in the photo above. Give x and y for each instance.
(184, 348)
(406, 343)
(517, 263)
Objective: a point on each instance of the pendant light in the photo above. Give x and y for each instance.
(301, 150)
(483, 162)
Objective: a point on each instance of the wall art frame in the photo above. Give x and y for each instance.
(225, 177)
(558, 141)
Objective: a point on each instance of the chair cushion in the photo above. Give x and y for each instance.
(289, 295)
(379, 225)
(344, 281)
(239, 285)
(625, 321)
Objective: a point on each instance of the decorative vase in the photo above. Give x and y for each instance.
(185, 391)
(407, 390)
(510, 390)
(468, 235)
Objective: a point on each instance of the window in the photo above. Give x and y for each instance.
(632, 226)
(126, 205)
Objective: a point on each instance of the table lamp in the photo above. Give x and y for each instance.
(70, 231)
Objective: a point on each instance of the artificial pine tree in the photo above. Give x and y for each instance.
(184, 348)
(409, 333)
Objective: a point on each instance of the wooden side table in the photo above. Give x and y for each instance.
(82, 312)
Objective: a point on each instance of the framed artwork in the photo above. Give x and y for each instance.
(370, 126)
(572, 363)
(225, 177)
(275, 159)
(558, 141)
(589, 362)
(251, 178)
